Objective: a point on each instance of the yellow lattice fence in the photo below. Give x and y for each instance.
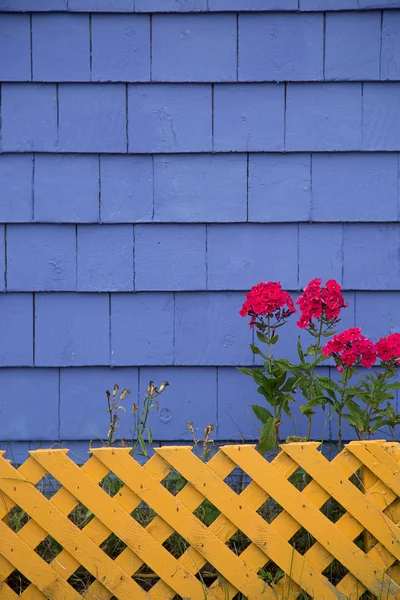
(244, 551)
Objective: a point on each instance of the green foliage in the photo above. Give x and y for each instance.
(375, 392)
(276, 386)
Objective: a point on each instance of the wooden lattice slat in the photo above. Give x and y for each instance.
(370, 508)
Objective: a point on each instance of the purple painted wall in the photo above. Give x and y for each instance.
(154, 166)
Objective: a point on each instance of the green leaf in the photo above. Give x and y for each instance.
(274, 339)
(307, 410)
(355, 422)
(328, 384)
(142, 443)
(261, 413)
(328, 333)
(269, 384)
(267, 438)
(311, 350)
(280, 379)
(300, 350)
(285, 404)
(306, 366)
(322, 358)
(358, 417)
(290, 384)
(262, 337)
(380, 423)
(254, 349)
(149, 435)
(245, 370)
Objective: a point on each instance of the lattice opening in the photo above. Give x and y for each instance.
(355, 479)
(48, 486)
(207, 512)
(237, 480)
(300, 479)
(304, 596)
(271, 573)
(17, 582)
(176, 545)
(143, 514)
(335, 572)
(369, 596)
(81, 580)
(111, 484)
(270, 510)
(80, 516)
(332, 510)
(113, 546)
(174, 482)
(207, 575)
(238, 542)
(145, 577)
(48, 549)
(365, 539)
(17, 518)
(302, 541)
(391, 511)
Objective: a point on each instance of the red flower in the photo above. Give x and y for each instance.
(388, 348)
(351, 348)
(317, 301)
(267, 299)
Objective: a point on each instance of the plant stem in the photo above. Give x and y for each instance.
(312, 372)
(309, 427)
(346, 376)
(277, 409)
(269, 345)
(110, 431)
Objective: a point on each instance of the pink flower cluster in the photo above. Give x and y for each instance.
(267, 298)
(388, 348)
(351, 348)
(317, 301)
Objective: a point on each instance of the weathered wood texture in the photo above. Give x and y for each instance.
(364, 479)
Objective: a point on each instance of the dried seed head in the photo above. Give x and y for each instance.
(190, 427)
(163, 386)
(208, 430)
(115, 389)
(108, 394)
(124, 393)
(135, 408)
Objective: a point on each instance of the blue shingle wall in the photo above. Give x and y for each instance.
(158, 158)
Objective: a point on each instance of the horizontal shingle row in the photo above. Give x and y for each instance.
(187, 328)
(218, 395)
(176, 6)
(207, 188)
(124, 258)
(162, 118)
(254, 47)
